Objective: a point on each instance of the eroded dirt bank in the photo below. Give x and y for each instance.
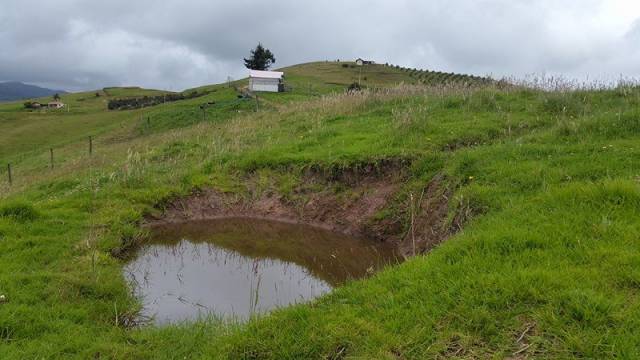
(360, 202)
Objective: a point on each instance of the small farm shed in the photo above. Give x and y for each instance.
(360, 62)
(271, 81)
(55, 105)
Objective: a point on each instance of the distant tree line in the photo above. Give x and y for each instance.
(439, 77)
(146, 101)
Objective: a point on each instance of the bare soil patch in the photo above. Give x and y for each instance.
(355, 210)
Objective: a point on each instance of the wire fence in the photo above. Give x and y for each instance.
(12, 169)
(11, 174)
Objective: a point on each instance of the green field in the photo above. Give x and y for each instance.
(547, 183)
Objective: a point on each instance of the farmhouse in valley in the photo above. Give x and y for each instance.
(55, 105)
(361, 62)
(270, 81)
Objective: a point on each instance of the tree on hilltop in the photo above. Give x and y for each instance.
(260, 59)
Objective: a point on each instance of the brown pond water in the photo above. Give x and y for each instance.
(238, 267)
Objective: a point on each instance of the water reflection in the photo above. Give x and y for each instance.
(236, 267)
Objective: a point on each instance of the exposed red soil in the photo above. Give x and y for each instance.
(351, 211)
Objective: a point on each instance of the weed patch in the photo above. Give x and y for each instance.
(21, 212)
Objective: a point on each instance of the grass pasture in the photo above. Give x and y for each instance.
(546, 265)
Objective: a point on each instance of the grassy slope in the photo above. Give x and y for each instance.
(27, 131)
(551, 254)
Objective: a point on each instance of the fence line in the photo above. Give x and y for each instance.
(21, 157)
(10, 167)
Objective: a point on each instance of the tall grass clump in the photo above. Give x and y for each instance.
(562, 104)
(19, 211)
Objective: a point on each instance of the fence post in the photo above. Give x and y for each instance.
(9, 173)
(90, 145)
(51, 157)
(257, 103)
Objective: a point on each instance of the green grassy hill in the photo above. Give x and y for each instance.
(29, 132)
(25, 131)
(542, 193)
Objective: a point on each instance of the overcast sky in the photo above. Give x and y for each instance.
(177, 44)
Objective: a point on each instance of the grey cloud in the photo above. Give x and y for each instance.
(178, 44)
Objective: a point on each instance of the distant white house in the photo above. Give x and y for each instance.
(360, 62)
(55, 105)
(271, 81)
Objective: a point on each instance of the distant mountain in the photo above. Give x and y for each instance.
(14, 90)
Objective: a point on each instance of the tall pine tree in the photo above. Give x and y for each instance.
(260, 59)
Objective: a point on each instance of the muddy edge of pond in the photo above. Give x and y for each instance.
(351, 211)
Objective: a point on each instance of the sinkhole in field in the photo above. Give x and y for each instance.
(239, 267)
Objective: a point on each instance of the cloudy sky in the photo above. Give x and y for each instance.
(177, 44)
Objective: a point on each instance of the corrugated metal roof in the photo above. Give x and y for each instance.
(265, 74)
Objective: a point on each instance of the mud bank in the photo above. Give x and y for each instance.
(367, 204)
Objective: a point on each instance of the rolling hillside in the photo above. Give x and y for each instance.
(523, 207)
(13, 90)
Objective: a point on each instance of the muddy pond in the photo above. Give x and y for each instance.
(233, 268)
